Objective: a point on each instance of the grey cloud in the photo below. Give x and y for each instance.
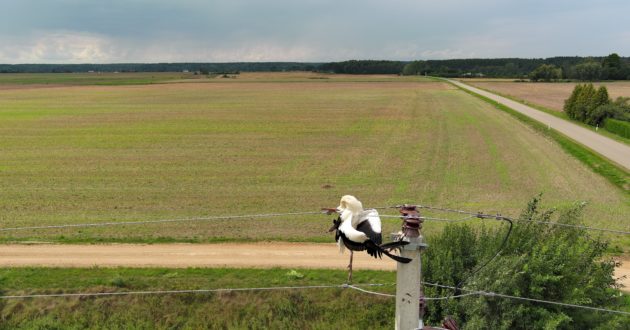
(289, 30)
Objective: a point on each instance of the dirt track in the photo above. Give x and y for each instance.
(258, 255)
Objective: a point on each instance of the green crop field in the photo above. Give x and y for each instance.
(15, 80)
(264, 143)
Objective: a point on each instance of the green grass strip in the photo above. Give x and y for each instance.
(326, 308)
(613, 173)
(618, 127)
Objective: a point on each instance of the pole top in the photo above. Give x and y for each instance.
(412, 223)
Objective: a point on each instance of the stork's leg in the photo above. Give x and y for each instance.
(350, 268)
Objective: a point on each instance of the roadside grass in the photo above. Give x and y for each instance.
(626, 305)
(325, 308)
(124, 153)
(282, 309)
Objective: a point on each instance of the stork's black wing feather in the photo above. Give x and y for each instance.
(376, 251)
(366, 228)
(373, 249)
(351, 245)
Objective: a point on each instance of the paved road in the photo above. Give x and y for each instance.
(609, 148)
(256, 255)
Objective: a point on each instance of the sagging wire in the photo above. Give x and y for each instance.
(482, 215)
(142, 222)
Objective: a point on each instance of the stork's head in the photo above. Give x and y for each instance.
(350, 203)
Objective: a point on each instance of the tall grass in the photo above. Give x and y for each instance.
(284, 309)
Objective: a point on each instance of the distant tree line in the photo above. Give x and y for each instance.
(363, 67)
(160, 67)
(612, 67)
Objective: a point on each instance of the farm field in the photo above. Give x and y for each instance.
(30, 80)
(264, 143)
(18, 80)
(548, 95)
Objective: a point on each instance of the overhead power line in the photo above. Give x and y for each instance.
(128, 293)
(500, 295)
(481, 215)
(468, 216)
(393, 295)
(487, 294)
(143, 222)
(307, 287)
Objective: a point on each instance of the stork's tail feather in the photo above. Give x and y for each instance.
(397, 258)
(393, 245)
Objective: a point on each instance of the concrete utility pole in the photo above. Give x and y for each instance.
(409, 309)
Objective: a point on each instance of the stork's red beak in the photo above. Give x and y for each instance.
(329, 211)
(336, 224)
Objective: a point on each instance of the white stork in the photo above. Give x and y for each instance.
(358, 229)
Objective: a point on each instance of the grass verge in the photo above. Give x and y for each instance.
(330, 308)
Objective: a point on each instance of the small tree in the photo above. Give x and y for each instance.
(565, 264)
(570, 103)
(613, 67)
(415, 68)
(546, 72)
(600, 99)
(588, 104)
(603, 112)
(583, 102)
(587, 71)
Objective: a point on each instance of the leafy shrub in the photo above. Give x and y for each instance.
(584, 102)
(118, 282)
(539, 261)
(621, 128)
(546, 72)
(587, 71)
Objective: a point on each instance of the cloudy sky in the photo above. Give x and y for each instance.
(110, 31)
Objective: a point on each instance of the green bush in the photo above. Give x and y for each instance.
(539, 261)
(546, 72)
(584, 102)
(621, 128)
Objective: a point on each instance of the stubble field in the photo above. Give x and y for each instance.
(265, 143)
(548, 95)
